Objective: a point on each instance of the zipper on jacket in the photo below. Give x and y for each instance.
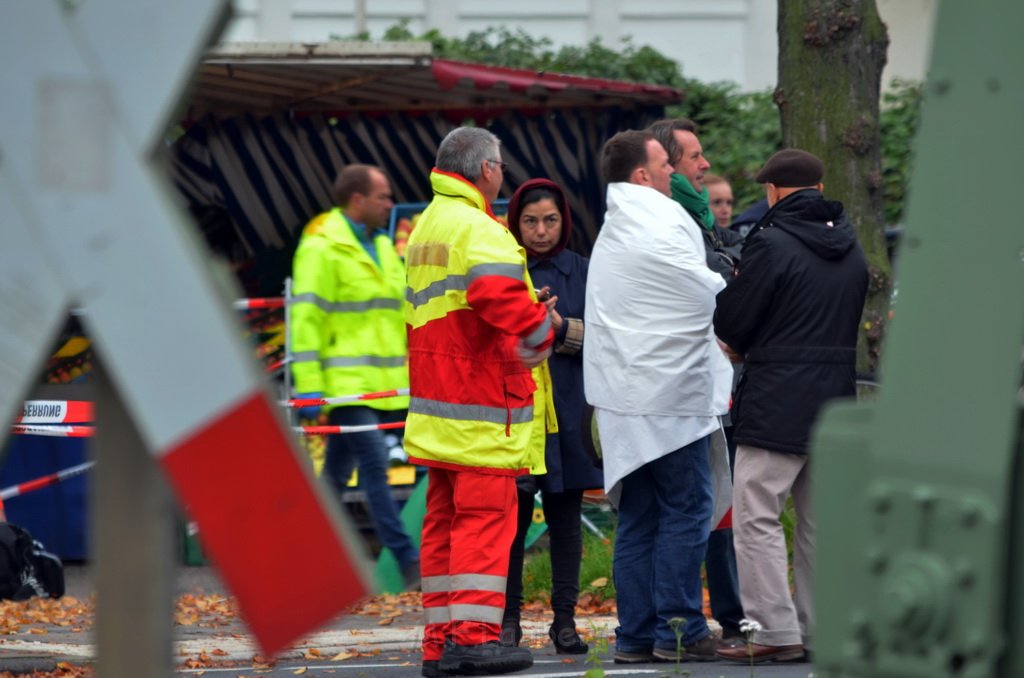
(508, 413)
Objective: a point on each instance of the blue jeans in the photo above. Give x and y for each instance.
(367, 450)
(664, 522)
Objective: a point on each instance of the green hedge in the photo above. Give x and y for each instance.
(738, 130)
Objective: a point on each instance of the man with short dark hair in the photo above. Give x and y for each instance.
(658, 382)
(629, 157)
(791, 315)
(722, 247)
(348, 338)
(477, 414)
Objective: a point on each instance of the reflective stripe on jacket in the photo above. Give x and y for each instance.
(347, 326)
(469, 301)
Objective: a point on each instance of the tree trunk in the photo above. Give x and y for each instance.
(831, 55)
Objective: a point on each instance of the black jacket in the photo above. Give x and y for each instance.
(722, 248)
(793, 311)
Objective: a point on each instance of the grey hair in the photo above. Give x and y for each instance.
(464, 150)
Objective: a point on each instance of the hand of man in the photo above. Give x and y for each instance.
(531, 357)
(732, 355)
(310, 411)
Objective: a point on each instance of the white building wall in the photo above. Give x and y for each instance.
(911, 29)
(713, 40)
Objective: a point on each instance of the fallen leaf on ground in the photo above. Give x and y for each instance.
(65, 612)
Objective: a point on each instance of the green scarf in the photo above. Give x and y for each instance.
(693, 202)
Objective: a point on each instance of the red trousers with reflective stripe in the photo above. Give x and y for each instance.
(467, 535)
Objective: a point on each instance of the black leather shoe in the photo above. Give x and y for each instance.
(432, 669)
(485, 659)
(567, 641)
(627, 657)
(707, 649)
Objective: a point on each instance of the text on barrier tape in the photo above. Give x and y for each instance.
(55, 412)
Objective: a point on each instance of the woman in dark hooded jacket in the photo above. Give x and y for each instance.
(539, 218)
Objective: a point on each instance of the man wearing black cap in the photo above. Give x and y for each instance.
(791, 315)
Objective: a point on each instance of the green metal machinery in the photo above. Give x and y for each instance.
(920, 535)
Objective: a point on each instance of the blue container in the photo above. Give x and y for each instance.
(55, 515)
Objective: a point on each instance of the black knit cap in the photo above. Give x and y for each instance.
(790, 168)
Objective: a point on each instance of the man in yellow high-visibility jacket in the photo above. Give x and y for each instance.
(348, 338)
(477, 415)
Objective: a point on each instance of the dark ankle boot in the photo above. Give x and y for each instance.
(485, 659)
(566, 640)
(511, 632)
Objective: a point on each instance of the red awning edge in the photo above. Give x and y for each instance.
(449, 73)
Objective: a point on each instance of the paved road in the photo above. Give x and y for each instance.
(355, 645)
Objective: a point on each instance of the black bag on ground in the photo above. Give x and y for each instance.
(26, 568)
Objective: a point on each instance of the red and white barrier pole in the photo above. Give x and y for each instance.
(45, 481)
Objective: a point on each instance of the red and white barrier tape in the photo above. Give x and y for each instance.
(60, 411)
(45, 481)
(310, 402)
(274, 367)
(55, 412)
(88, 431)
(54, 431)
(253, 304)
(328, 430)
(239, 304)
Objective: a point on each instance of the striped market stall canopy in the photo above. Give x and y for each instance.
(268, 126)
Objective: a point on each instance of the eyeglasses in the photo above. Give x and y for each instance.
(499, 163)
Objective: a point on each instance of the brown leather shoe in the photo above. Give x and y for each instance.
(756, 653)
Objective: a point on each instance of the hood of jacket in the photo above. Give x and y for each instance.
(820, 224)
(515, 209)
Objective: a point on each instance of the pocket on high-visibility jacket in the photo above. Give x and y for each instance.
(519, 390)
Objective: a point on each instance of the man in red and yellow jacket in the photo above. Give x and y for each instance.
(476, 415)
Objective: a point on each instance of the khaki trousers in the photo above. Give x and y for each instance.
(763, 481)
